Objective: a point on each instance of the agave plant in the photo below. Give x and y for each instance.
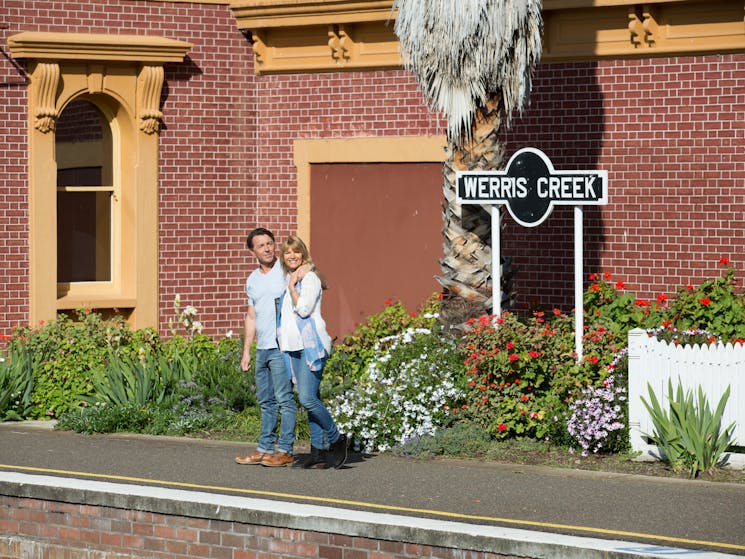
(473, 60)
(137, 379)
(691, 435)
(16, 383)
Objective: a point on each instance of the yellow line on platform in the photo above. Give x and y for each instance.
(392, 508)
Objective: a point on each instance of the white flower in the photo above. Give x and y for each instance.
(190, 311)
(229, 334)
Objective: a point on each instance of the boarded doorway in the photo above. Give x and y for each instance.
(376, 236)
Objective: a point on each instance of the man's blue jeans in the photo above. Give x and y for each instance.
(323, 430)
(274, 392)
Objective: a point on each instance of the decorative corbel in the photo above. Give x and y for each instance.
(636, 28)
(339, 43)
(345, 43)
(149, 86)
(258, 45)
(46, 80)
(651, 27)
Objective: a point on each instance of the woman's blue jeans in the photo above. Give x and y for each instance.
(274, 391)
(323, 430)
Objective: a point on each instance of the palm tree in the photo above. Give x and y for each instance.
(473, 60)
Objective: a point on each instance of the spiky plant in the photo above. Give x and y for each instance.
(473, 60)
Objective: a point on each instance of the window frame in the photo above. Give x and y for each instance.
(123, 75)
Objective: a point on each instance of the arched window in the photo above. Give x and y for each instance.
(94, 118)
(87, 209)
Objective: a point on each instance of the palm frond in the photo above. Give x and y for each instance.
(464, 52)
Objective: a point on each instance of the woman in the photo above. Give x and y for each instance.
(306, 344)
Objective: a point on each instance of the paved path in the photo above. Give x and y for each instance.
(668, 512)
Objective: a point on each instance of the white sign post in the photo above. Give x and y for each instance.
(531, 187)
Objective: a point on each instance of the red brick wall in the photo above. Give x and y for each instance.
(36, 528)
(13, 191)
(669, 131)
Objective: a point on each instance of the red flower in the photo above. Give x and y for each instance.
(620, 285)
(524, 398)
(661, 297)
(724, 260)
(509, 345)
(472, 384)
(705, 301)
(388, 302)
(514, 357)
(594, 287)
(594, 360)
(689, 287)
(412, 313)
(517, 381)
(439, 296)
(533, 354)
(557, 312)
(502, 427)
(593, 277)
(606, 275)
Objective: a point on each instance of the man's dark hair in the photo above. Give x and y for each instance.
(255, 233)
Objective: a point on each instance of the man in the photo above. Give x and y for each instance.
(264, 287)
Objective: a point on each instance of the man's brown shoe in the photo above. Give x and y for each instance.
(277, 459)
(253, 458)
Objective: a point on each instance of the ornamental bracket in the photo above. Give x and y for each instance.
(46, 79)
(149, 86)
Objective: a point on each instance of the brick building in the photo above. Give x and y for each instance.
(213, 117)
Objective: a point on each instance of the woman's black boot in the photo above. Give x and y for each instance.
(316, 459)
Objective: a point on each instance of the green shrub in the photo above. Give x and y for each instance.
(220, 380)
(716, 305)
(103, 418)
(65, 351)
(463, 438)
(524, 372)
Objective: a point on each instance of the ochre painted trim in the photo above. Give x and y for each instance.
(260, 13)
(292, 36)
(407, 149)
(83, 46)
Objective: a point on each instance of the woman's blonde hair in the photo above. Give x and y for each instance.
(296, 244)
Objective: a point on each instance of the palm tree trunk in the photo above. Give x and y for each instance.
(466, 264)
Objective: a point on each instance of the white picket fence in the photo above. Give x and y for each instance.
(713, 367)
